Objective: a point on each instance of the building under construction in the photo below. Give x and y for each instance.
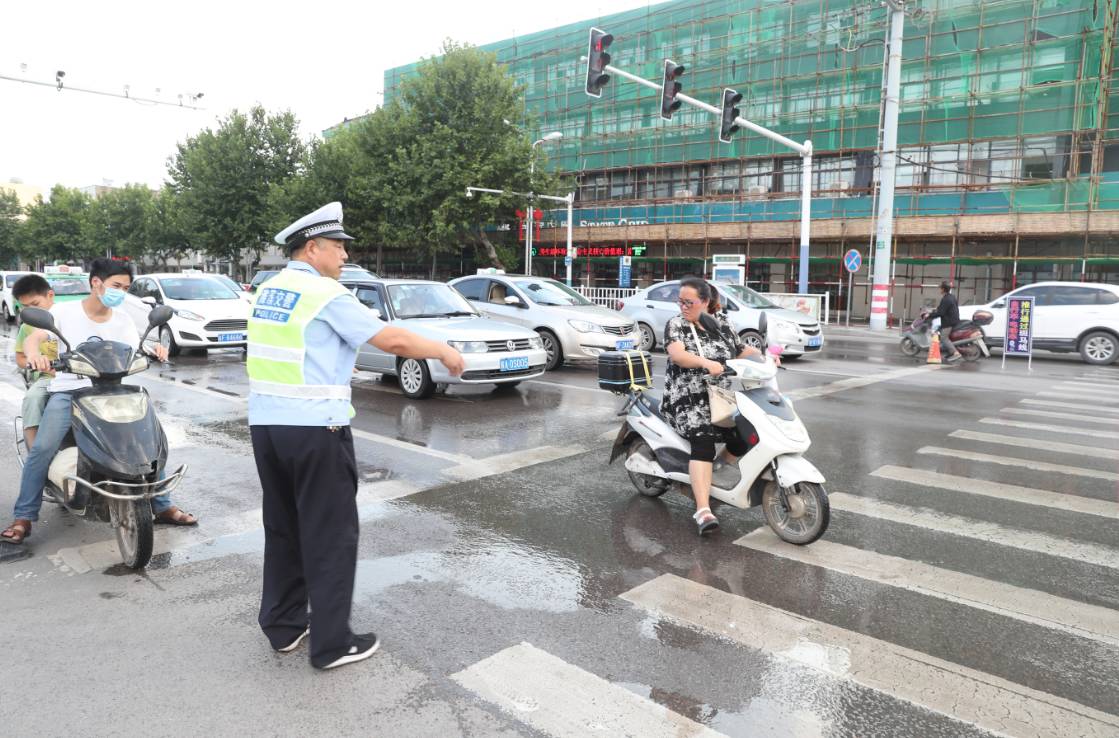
(1008, 168)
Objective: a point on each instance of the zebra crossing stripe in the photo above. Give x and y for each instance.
(1089, 386)
(987, 701)
(558, 699)
(1028, 605)
(1054, 446)
(980, 530)
(1102, 399)
(1019, 463)
(1051, 428)
(1060, 416)
(1070, 406)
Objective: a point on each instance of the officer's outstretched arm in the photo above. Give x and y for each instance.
(405, 343)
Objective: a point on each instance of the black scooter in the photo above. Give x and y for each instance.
(111, 464)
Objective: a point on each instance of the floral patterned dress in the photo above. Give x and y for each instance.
(686, 406)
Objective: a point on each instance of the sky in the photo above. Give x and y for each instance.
(323, 60)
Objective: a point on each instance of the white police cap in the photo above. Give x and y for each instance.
(326, 222)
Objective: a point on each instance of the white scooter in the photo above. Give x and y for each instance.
(774, 473)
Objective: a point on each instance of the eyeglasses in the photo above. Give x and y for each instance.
(687, 303)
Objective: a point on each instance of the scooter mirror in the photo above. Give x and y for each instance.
(763, 325)
(37, 318)
(159, 315)
(708, 323)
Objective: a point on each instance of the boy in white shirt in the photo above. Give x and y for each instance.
(93, 317)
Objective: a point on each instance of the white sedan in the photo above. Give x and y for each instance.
(208, 314)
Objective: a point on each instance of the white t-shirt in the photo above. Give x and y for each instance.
(72, 322)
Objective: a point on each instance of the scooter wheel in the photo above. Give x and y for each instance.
(909, 347)
(801, 516)
(971, 352)
(135, 537)
(647, 485)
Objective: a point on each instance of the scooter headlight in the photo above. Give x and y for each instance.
(139, 364)
(83, 368)
(123, 408)
(793, 429)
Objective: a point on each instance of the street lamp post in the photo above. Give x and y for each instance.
(568, 199)
(553, 136)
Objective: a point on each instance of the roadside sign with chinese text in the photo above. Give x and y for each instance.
(1019, 326)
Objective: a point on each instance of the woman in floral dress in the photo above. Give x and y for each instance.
(692, 367)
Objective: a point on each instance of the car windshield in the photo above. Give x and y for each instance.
(69, 285)
(748, 297)
(427, 301)
(195, 288)
(548, 292)
(227, 281)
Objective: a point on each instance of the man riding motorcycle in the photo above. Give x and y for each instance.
(949, 313)
(92, 317)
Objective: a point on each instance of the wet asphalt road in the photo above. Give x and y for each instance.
(522, 587)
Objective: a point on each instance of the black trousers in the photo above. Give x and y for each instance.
(309, 476)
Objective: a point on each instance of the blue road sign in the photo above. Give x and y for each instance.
(853, 260)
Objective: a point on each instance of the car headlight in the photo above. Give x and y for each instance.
(83, 367)
(139, 364)
(125, 408)
(584, 326)
(536, 342)
(189, 315)
(469, 347)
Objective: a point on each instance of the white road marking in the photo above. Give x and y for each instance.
(1056, 429)
(478, 468)
(1028, 605)
(843, 385)
(1042, 466)
(959, 692)
(1054, 446)
(558, 699)
(1070, 406)
(980, 530)
(1089, 386)
(1060, 416)
(1100, 399)
(999, 490)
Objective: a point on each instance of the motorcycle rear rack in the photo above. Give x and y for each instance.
(160, 488)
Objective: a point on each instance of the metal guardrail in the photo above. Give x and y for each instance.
(606, 296)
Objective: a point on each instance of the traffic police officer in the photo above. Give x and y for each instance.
(304, 334)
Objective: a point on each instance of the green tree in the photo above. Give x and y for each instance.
(167, 238)
(119, 222)
(53, 230)
(11, 228)
(223, 179)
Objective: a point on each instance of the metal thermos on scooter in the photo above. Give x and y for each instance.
(112, 462)
(774, 472)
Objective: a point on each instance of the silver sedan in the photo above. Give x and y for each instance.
(494, 353)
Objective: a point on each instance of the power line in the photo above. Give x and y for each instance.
(59, 85)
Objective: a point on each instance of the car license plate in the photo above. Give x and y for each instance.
(514, 364)
(814, 341)
(626, 345)
(229, 337)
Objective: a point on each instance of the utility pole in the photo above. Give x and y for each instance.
(568, 199)
(888, 158)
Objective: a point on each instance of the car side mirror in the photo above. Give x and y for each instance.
(514, 301)
(149, 300)
(999, 304)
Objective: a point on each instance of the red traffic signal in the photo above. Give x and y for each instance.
(597, 61)
(670, 87)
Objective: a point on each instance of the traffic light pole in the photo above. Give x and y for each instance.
(804, 149)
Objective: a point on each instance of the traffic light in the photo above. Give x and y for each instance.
(730, 112)
(670, 86)
(597, 60)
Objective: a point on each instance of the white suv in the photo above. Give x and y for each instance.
(1068, 316)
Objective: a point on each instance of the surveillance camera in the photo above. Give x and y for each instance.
(469, 193)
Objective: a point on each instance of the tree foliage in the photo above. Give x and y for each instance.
(54, 228)
(11, 227)
(223, 179)
(119, 222)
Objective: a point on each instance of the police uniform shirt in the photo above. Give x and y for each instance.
(332, 341)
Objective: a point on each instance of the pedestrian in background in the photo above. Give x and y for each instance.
(304, 334)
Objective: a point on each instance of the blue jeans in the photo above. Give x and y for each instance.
(53, 428)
